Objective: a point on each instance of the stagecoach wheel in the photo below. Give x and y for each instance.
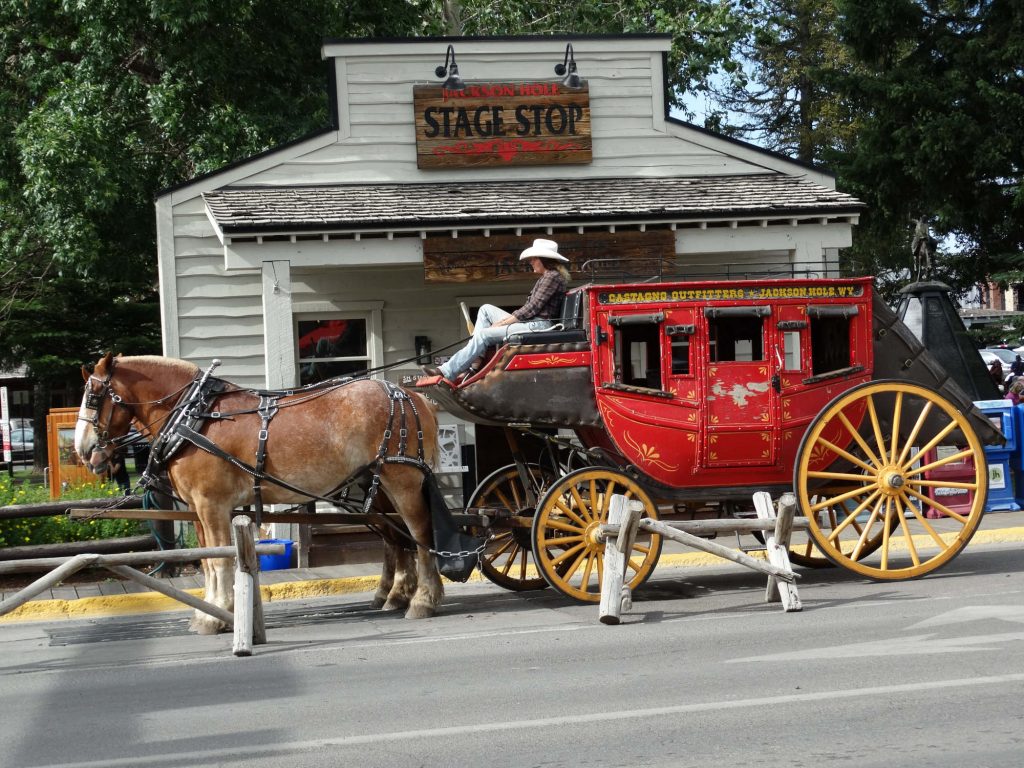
(806, 553)
(566, 547)
(508, 559)
(874, 471)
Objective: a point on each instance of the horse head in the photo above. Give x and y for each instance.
(102, 418)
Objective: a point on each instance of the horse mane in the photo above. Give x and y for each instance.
(169, 364)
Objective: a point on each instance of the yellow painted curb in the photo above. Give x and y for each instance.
(154, 602)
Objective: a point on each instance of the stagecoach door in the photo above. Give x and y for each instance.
(741, 418)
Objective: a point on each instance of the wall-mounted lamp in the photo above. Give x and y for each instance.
(450, 70)
(567, 68)
(423, 348)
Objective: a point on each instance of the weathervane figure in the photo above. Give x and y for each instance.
(923, 247)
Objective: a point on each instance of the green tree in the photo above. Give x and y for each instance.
(106, 102)
(940, 92)
(780, 94)
(703, 31)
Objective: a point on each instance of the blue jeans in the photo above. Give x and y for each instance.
(485, 335)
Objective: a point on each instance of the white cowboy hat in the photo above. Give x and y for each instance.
(543, 249)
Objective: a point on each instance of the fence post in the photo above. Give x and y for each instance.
(249, 625)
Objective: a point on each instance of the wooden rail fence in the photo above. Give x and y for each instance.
(247, 621)
(624, 522)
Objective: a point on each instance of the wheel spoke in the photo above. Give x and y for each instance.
(885, 534)
(924, 521)
(606, 501)
(933, 442)
(846, 455)
(852, 517)
(839, 476)
(843, 497)
(559, 541)
(951, 459)
(510, 560)
(587, 571)
(855, 554)
(877, 428)
(567, 553)
(507, 542)
(936, 505)
(582, 508)
(913, 434)
(503, 501)
(906, 532)
(569, 512)
(897, 415)
(944, 484)
(860, 440)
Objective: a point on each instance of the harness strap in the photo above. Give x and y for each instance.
(266, 410)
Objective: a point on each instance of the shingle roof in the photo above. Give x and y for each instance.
(239, 210)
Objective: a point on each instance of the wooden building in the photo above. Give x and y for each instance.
(341, 250)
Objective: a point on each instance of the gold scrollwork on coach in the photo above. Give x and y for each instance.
(648, 454)
(551, 360)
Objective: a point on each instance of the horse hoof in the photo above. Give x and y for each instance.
(419, 612)
(395, 604)
(206, 626)
(377, 603)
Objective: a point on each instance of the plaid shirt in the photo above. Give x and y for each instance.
(545, 299)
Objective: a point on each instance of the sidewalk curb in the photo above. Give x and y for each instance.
(154, 602)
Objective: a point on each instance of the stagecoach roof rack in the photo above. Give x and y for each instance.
(620, 270)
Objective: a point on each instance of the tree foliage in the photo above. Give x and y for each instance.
(704, 32)
(916, 105)
(942, 95)
(105, 102)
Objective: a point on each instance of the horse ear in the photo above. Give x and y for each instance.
(85, 374)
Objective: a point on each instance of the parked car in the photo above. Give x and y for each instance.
(1005, 356)
(22, 443)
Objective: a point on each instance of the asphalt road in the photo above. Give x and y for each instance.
(701, 673)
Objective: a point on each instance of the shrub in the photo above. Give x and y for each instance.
(58, 529)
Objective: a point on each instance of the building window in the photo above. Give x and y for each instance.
(331, 347)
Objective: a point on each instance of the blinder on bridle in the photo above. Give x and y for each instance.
(94, 402)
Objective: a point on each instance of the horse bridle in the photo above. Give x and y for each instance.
(94, 402)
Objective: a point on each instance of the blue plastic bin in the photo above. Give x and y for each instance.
(276, 562)
(1001, 496)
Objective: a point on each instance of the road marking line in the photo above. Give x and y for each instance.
(199, 757)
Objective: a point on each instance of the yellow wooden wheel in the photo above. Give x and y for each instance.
(893, 480)
(508, 558)
(566, 546)
(806, 553)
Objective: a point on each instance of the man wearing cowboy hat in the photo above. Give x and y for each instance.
(493, 324)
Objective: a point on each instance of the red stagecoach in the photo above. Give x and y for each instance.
(689, 396)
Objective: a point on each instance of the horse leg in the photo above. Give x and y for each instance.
(403, 486)
(219, 572)
(387, 576)
(405, 580)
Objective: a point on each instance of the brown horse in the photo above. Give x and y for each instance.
(316, 440)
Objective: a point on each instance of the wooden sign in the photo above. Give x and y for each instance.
(504, 124)
(475, 259)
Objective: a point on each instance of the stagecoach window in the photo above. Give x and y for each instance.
(735, 339)
(332, 347)
(830, 343)
(638, 354)
(791, 346)
(681, 356)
